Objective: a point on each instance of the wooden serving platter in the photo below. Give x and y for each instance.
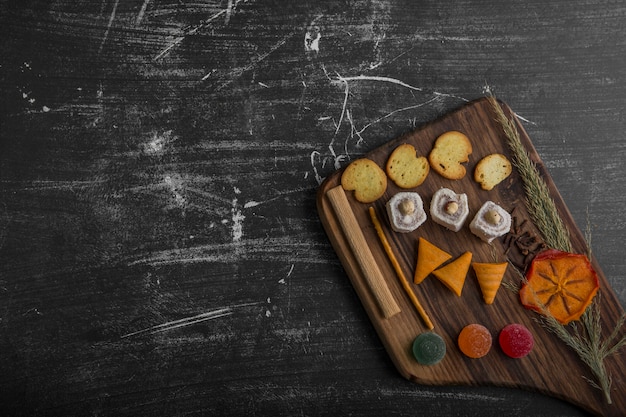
(551, 368)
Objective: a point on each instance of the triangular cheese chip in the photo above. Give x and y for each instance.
(489, 277)
(453, 274)
(429, 258)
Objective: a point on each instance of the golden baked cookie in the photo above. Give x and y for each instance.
(405, 168)
(492, 170)
(450, 151)
(366, 178)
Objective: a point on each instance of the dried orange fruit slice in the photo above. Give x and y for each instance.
(561, 284)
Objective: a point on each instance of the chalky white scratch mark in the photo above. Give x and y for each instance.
(56, 185)
(251, 204)
(281, 249)
(237, 219)
(377, 78)
(27, 94)
(379, 61)
(186, 197)
(268, 313)
(229, 12)
(398, 82)
(196, 28)
(441, 394)
(524, 119)
(345, 104)
(284, 281)
(182, 38)
(157, 142)
(413, 107)
(109, 25)
(188, 321)
(206, 77)
(142, 12)
(353, 132)
(238, 72)
(33, 310)
(312, 39)
(318, 177)
(175, 185)
(209, 196)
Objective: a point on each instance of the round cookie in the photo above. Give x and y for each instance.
(367, 179)
(405, 168)
(450, 151)
(492, 170)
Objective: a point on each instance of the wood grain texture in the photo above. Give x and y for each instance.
(551, 368)
(159, 161)
(374, 280)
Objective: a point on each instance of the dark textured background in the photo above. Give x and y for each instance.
(159, 161)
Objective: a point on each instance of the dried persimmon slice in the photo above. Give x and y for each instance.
(561, 284)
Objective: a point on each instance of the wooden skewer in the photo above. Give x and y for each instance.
(396, 266)
(362, 253)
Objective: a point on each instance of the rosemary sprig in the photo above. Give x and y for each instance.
(585, 337)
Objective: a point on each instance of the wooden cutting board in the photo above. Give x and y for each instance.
(551, 368)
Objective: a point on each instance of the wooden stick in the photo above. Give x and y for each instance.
(362, 253)
(396, 266)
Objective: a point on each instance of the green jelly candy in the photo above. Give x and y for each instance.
(429, 348)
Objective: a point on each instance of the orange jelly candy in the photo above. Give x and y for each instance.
(474, 341)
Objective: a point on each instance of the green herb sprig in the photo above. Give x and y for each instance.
(585, 337)
(540, 204)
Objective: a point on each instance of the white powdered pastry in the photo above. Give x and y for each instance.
(490, 222)
(449, 209)
(406, 212)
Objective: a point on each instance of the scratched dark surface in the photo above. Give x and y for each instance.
(160, 251)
